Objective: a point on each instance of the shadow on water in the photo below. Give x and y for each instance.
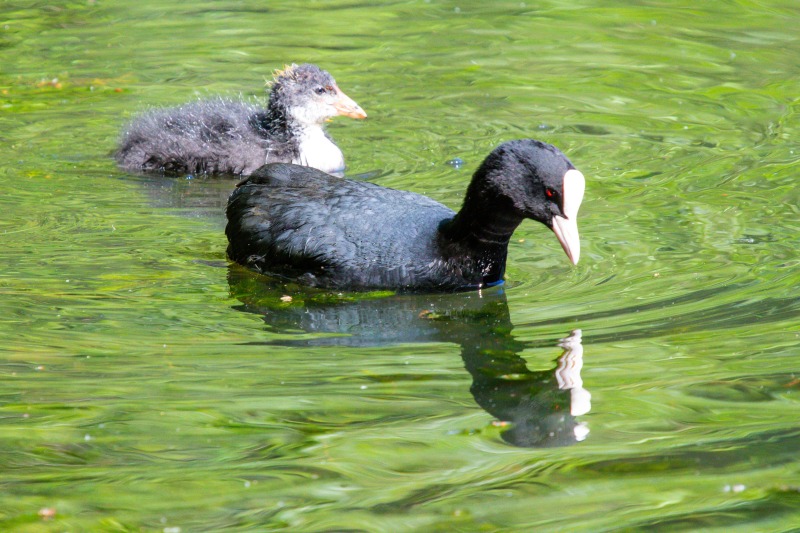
(539, 406)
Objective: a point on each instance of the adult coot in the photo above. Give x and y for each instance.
(300, 223)
(223, 136)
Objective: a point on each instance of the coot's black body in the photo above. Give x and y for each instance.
(296, 222)
(225, 136)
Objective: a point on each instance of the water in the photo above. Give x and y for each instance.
(148, 385)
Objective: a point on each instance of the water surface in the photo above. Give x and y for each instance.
(149, 385)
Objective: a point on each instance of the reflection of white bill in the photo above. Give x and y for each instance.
(568, 375)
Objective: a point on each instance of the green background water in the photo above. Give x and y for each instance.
(148, 385)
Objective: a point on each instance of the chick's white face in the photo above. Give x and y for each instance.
(317, 99)
(316, 104)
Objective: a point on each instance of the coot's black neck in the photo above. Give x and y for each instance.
(480, 233)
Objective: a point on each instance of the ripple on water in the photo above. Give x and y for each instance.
(152, 369)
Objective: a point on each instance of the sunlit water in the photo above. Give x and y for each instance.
(149, 385)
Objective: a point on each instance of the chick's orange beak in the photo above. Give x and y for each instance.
(346, 107)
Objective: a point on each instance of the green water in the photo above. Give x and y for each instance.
(149, 386)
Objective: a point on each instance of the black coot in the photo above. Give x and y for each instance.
(300, 223)
(223, 136)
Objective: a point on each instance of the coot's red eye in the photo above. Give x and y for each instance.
(549, 192)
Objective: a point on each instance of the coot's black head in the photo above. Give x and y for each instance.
(533, 180)
(309, 95)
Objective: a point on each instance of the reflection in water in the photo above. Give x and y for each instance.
(197, 197)
(540, 407)
(202, 197)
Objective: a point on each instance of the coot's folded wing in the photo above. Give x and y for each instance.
(292, 220)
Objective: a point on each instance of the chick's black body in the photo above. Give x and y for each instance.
(296, 222)
(217, 136)
(229, 136)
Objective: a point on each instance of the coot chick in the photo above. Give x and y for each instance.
(300, 223)
(224, 136)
